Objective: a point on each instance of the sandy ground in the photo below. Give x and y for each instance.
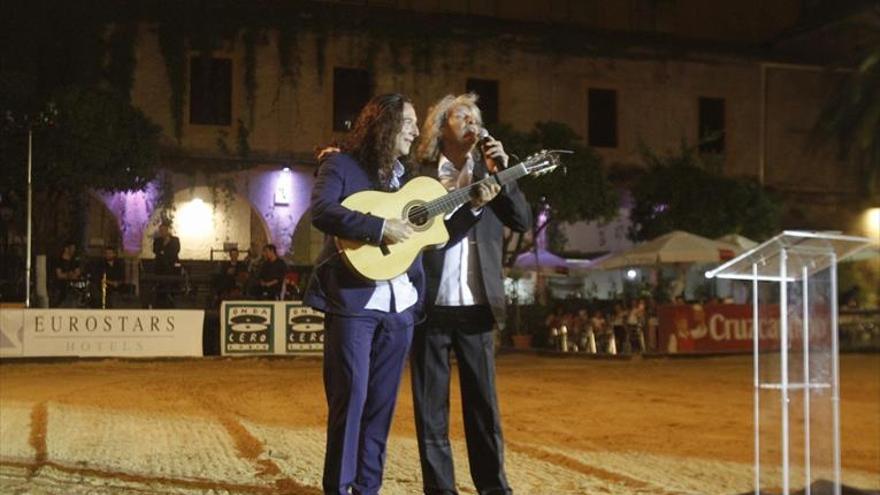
(249, 425)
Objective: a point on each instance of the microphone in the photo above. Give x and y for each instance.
(483, 138)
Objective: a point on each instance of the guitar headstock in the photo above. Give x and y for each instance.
(543, 162)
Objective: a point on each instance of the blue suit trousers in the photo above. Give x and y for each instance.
(364, 357)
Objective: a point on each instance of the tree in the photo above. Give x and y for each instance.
(851, 116)
(580, 192)
(77, 60)
(679, 191)
(96, 140)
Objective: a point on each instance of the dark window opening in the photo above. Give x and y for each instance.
(602, 118)
(711, 131)
(210, 93)
(487, 90)
(351, 91)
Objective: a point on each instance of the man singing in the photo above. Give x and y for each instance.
(465, 297)
(368, 325)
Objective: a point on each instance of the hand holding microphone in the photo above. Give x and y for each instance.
(493, 151)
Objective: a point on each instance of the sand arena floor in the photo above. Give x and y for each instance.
(249, 425)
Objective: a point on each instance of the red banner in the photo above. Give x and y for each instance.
(696, 328)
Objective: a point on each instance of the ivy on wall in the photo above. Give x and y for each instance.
(320, 54)
(250, 72)
(200, 26)
(373, 33)
(243, 146)
(288, 53)
(172, 44)
(121, 59)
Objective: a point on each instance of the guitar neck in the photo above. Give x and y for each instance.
(448, 203)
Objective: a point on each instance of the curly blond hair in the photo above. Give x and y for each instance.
(430, 144)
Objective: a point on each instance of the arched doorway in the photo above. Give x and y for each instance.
(307, 241)
(206, 220)
(101, 227)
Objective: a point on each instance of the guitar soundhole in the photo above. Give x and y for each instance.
(417, 215)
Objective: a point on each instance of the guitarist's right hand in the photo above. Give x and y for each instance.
(396, 230)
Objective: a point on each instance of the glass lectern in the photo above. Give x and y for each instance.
(794, 332)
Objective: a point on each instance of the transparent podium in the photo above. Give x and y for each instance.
(793, 280)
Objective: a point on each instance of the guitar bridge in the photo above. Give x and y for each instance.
(384, 249)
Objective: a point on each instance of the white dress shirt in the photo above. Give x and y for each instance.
(398, 294)
(461, 283)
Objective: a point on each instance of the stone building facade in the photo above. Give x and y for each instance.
(653, 72)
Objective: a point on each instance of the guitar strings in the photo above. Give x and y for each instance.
(455, 198)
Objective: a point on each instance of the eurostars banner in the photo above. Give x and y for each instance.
(100, 332)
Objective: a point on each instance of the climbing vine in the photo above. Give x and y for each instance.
(121, 59)
(172, 44)
(250, 71)
(243, 148)
(320, 54)
(288, 53)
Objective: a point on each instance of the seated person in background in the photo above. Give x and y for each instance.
(618, 325)
(111, 271)
(271, 275)
(552, 322)
(232, 276)
(292, 291)
(598, 323)
(635, 325)
(581, 328)
(601, 330)
(66, 271)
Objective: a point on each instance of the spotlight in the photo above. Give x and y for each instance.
(871, 222)
(195, 219)
(632, 274)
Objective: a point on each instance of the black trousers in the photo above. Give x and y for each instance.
(467, 331)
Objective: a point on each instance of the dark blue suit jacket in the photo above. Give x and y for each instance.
(333, 286)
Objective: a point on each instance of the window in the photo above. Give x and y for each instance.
(711, 131)
(487, 90)
(210, 91)
(351, 91)
(602, 118)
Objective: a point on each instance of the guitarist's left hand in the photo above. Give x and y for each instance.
(493, 152)
(484, 193)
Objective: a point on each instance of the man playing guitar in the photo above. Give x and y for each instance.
(368, 324)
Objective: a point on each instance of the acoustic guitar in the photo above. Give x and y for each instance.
(422, 202)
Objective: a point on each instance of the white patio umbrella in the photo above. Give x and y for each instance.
(582, 266)
(871, 253)
(543, 261)
(743, 243)
(675, 247)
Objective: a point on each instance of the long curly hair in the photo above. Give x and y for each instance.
(372, 140)
(430, 142)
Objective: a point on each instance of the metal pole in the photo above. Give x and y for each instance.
(835, 371)
(805, 327)
(762, 128)
(783, 349)
(756, 336)
(27, 271)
